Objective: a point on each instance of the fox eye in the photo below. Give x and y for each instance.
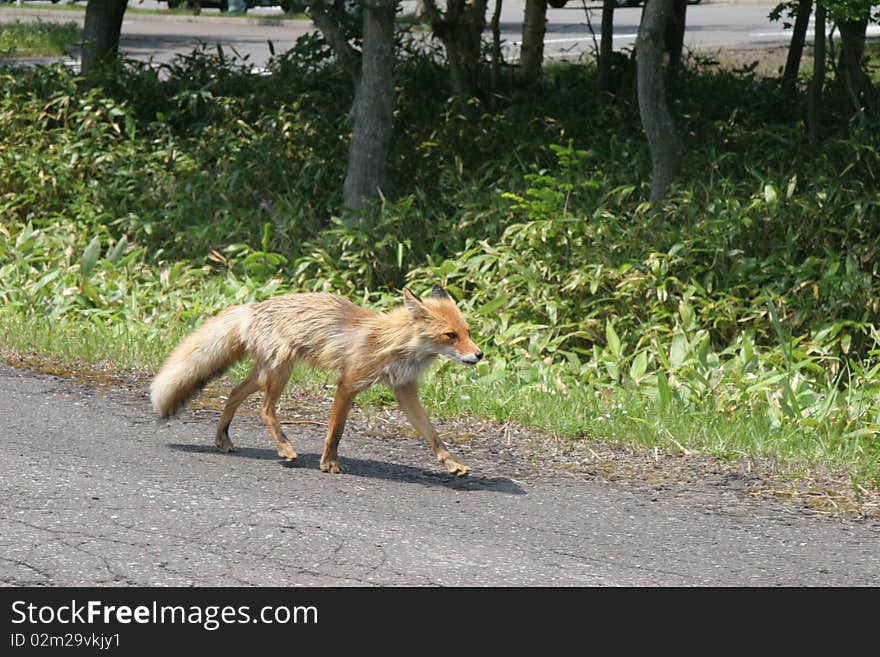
(452, 335)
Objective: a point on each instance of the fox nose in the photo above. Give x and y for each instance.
(478, 355)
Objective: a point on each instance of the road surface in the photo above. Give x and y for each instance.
(96, 491)
(570, 30)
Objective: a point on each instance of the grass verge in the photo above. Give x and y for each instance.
(614, 435)
(38, 38)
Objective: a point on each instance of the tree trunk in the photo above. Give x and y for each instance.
(675, 33)
(460, 29)
(496, 44)
(101, 29)
(856, 84)
(814, 97)
(653, 108)
(606, 46)
(796, 47)
(532, 52)
(366, 178)
(329, 26)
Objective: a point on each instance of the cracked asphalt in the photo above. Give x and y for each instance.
(96, 491)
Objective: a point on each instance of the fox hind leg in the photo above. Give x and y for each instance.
(273, 381)
(247, 387)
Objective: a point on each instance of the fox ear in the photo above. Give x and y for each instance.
(413, 303)
(439, 293)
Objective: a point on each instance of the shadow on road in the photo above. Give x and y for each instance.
(372, 469)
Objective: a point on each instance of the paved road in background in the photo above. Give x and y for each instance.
(569, 34)
(95, 491)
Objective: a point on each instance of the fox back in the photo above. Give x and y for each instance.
(330, 332)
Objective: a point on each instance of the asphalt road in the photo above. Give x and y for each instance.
(572, 31)
(96, 491)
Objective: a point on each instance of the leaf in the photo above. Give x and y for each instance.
(866, 432)
(45, 280)
(639, 366)
(664, 390)
(613, 370)
(687, 315)
(130, 126)
(114, 254)
(492, 305)
(90, 257)
(771, 196)
(613, 339)
(784, 343)
(491, 377)
(767, 383)
(90, 292)
(678, 349)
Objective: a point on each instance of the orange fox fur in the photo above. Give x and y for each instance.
(325, 331)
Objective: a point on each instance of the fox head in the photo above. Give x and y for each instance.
(444, 325)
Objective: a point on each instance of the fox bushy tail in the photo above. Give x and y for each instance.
(203, 355)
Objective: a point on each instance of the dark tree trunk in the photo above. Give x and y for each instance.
(329, 26)
(460, 29)
(372, 71)
(814, 97)
(796, 47)
(366, 178)
(856, 84)
(496, 44)
(532, 53)
(101, 29)
(606, 46)
(653, 107)
(675, 32)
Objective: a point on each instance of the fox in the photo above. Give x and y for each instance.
(328, 332)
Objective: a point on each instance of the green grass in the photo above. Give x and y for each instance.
(39, 38)
(118, 346)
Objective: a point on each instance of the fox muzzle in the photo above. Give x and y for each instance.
(472, 359)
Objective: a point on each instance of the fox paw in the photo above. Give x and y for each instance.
(331, 465)
(287, 452)
(224, 444)
(456, 468)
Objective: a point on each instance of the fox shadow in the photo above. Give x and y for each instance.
(371, 468)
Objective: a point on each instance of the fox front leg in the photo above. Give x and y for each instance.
(345, 395)
(408, 398)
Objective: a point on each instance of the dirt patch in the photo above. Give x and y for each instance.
(809, 488)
